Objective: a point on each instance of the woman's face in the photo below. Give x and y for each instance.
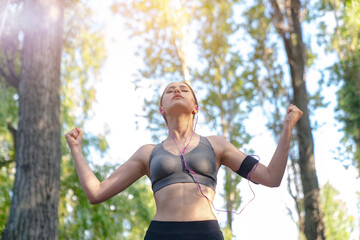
(177, 97)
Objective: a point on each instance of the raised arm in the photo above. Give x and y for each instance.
(276, 168)
(272, 174)
(118, 181)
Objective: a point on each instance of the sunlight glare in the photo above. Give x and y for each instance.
(54, 13)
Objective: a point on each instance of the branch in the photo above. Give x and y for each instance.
(11, 79)
(13, 132)
(3, 73)
(8, 71)
(297, 190)
(10, 65)
(278, 18)
(296, 25)
(279, 25)
(290, 212)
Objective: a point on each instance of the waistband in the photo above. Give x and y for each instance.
(184, 227)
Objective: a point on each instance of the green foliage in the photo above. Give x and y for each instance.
(167, 27)
(10, 67)
(162, 27)
(7, 175)
(229, 88)
(83, 55)
(8, 114)
(345, 40)
(266, 68)
(278, 54)
(159, 23)
(339, 225)
(125, 216)
(227, 233)
(122, 216)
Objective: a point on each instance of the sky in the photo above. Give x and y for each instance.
(267, 216)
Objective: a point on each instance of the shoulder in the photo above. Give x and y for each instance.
(147, 147)
(142, 156)
(226, 152)
(219, 144)
(145, 150)
(217, 141)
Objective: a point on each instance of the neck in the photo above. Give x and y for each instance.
(180, 127)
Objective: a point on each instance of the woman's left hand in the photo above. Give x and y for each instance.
(293, 114)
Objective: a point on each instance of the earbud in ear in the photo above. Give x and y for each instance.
(196, 110)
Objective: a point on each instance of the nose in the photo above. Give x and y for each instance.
(177, 89)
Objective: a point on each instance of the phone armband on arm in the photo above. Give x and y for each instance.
(247, 166)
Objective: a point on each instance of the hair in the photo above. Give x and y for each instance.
(192, 91)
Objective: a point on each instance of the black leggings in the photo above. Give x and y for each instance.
(194, 230)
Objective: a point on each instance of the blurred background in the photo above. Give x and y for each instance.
(246, 61)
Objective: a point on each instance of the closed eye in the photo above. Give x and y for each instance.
(182, 89)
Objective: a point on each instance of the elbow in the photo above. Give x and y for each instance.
(274, 184)
(93, 200)
(272, 180)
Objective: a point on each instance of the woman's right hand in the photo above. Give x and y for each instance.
(73, 138)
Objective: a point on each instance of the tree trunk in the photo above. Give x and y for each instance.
(34, 205)
(296, 53)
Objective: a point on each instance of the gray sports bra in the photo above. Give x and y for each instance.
(167, 168)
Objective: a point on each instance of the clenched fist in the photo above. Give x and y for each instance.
(73, 138)
(293, 114)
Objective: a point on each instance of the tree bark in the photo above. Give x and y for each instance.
(34, 205)
(296, 53)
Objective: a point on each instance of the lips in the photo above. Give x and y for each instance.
(177, 96)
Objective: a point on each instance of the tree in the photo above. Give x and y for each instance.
(83, 55)
(285, 19)
(9, 77)
(163, 27)
(288, 25)
(296, 54)
(344, 40)
(166, 27)
(229, 91)
(125, 216)
(8, 114)
(339, 225)
(38, 148)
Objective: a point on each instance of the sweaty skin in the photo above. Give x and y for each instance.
(183, 202)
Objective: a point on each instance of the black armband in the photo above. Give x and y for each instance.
(246, 166)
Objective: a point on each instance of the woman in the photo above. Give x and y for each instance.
(183, 169)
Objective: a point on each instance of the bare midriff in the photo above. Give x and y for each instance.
(184, 202)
